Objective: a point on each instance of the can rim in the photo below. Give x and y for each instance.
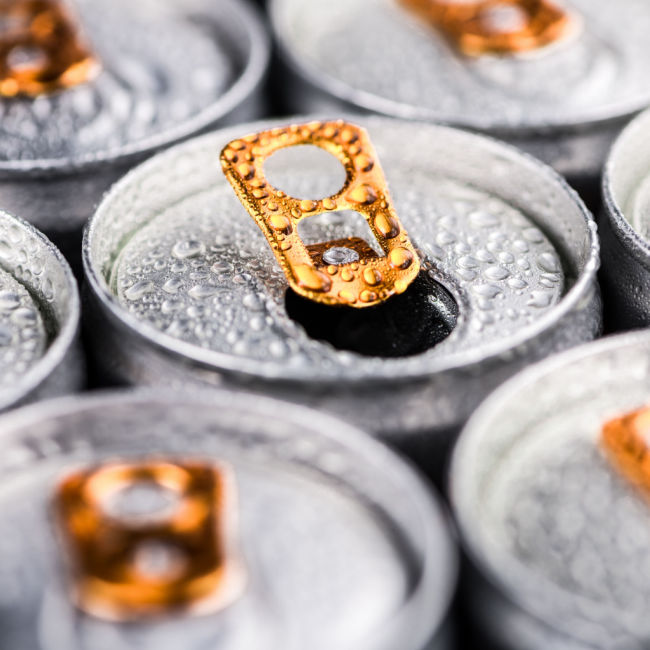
(637, 244)
(249, 368)
(66, 335)
(309, 72)
(509, 582)
(440, 564)
(254, 71)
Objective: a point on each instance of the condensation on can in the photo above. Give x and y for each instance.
(564, 104)
(556, 535)
(624, 227)
(344, 546)
(195, 293)
(168, 71)
(40, 354)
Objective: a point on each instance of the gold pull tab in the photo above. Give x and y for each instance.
(41, 49)
(145, 539)
(624, 440)
(496, 26)
(368, 280)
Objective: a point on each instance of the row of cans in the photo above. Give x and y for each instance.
(280, 526)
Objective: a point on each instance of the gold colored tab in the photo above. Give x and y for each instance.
(41, 49)
(625, 442)
(137, 564)
(363, 283)
(473, 27)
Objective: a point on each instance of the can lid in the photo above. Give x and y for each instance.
(168, 70)
(380, 56)
(334, 557)
(550, 485)
(341, 272)
(42, 49)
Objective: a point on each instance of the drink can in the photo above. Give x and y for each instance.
(548, 487)
(624, 229)
(183, 286)
(558, 79)
(159, 520)
(155, 73)
(39, 317)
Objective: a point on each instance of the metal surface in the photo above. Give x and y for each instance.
(39, 317)
(170, 70)
(564, 103)
(624, 228)
(184, 287)
(548, 519)
(344, 546)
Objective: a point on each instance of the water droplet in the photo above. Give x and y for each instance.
(517, 283)
(308, 206)
(188, 248)
(201, 291)
(540, 299)
(467, 262)
(485, 256)
(364, 163)
(340, 255)
(506, 258)
(487, 290)
(362, 194)
(8, 300)
(367, 296)
(24, 316)
(252, 302)
(400, 258)
(482, 219)
(371, 277)
(533, 235)
(170, 306)
(496, 273)
(138, 290)
(387, 225)
(172, 285)
(280, 223)
(309, 278)
(444, 238)
(548, 262)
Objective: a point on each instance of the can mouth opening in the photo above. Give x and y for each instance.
(406, 325)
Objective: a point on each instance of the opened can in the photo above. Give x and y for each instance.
(40, 354)
(157, 520)
(548, 484)
(87, 91)
(624, 228)
(558, 79)
(184, 287)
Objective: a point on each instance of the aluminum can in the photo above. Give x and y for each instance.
(341, 543)
(554, 524)
(39, 317)
(169, 70)
(508, 252)
(623, 227)
(563, 103)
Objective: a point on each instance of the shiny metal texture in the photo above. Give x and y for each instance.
(624, 228)
(557, 532)
(183, 286)
(564, 103)
(344, 546)
(170, 69)
(39, 317)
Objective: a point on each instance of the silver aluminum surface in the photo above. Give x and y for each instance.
(184, 286)
(548, 521)
(345, 547)
(564, 104)
(625, 227)
(39, 317)
(171, 69)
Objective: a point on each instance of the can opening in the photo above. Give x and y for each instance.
(407, 324)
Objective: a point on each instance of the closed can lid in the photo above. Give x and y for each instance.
(152, 521)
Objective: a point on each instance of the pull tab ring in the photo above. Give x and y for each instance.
(370, 278)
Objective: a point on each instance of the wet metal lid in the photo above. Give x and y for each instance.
(546, 485)
(337, 543)
(177, 261)
(39, 309)
(402, 58)
(166, 69)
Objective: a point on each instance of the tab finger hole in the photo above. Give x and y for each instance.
(305, 172)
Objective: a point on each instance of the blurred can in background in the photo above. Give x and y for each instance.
(319, 537)
(184, 287)
(548, 484)
(557, 79)
(624, 227)
(154, 73)
(39, 317)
